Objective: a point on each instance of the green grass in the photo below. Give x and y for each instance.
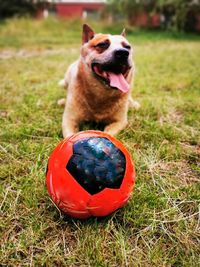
(160, 224)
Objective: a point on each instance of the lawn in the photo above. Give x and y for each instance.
(160, 224)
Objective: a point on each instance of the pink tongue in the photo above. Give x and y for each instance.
(118, 81)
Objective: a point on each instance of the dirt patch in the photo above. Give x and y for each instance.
(180, 170)
(173, 117)
(23, 53)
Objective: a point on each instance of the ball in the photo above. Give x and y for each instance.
(90, 174)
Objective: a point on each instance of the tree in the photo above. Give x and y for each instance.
(184, 13)
(9, 8)
(180, 14)
(131, 8)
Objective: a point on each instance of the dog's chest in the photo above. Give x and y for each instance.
(94, 100)
(100, 107)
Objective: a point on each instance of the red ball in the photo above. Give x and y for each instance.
(90, 174)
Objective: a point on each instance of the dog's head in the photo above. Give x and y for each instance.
(109, 57)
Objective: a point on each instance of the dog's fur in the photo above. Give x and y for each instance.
(90, 96)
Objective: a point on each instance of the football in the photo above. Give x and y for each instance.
(90, 174)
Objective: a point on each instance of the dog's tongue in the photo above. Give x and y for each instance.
(118, 81)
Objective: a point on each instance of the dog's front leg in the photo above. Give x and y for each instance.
(115, 127)
(69, 127)
(69, 124)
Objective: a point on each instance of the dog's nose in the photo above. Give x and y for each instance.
(121, 54)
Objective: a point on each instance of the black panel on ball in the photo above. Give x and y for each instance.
(96, 164)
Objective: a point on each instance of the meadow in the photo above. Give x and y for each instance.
(160, 224)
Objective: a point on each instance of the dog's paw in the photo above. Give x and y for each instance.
(61, 83)
(67, 134)
(61, 102)
(115, 127)
(134, 104)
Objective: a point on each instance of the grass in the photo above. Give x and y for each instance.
(160, 224)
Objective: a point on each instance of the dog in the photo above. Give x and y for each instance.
(99, 83)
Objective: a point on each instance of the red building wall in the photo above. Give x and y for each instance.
(76, 10)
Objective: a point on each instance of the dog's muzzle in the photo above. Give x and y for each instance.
(115, 71)
(121, 55)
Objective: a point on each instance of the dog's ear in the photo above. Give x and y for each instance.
(123, 33)
(87, 34)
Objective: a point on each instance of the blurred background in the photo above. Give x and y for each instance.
(178, 15)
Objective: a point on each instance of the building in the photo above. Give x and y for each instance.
(71, 8)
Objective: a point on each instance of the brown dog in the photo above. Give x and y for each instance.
(99, 83)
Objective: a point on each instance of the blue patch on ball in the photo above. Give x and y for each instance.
(96, 164)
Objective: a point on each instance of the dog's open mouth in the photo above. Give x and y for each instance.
(113, 74)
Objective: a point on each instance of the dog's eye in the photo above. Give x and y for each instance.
(127, 46)
(103, 45)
